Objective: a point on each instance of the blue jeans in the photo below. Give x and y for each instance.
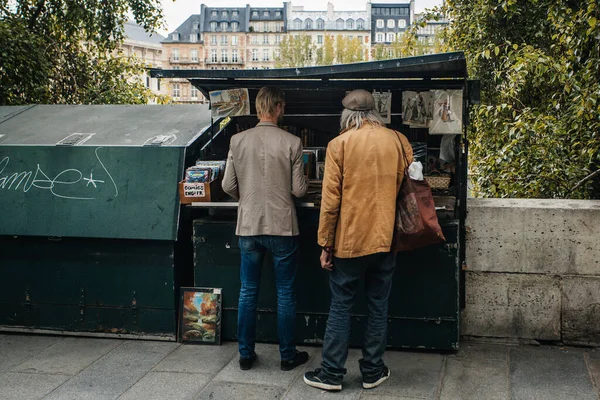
(376, 271)
(285, 262)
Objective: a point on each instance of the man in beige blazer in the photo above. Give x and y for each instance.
(265, 172)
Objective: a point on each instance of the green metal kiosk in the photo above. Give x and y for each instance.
(426, 294)
(90, 222)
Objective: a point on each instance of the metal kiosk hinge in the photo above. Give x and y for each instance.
(134, 308)
(82, 305)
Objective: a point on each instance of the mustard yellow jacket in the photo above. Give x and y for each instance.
(364, 169)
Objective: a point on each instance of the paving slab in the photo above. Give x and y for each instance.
(22, 386)
(370, 396)
(69, 356)
(412, 374)
(266, 369)
(472, 380)
(549, 374)
(245, 391)
(594, 368)
(114, 373)
(199, 359)
(16, 349)
(167, 385)
(481, 352)
(351, 386)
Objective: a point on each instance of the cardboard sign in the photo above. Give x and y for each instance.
(194, 189)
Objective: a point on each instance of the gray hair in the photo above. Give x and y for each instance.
(355, 119)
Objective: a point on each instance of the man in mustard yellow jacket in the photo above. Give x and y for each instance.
(364, 169)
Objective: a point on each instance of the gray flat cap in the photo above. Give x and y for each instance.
(359, 100)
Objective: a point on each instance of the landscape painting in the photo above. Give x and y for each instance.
(200, 315)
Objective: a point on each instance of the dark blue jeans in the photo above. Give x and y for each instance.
(376, 271)
(285, 263)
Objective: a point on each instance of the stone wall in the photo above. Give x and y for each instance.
(533, 270)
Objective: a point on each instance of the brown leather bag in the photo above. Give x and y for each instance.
(416, 219)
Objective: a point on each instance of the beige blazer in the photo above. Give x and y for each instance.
(364, 169)
(264, 170)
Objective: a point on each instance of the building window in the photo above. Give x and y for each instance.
(277, 54)
(320, 24)
(224, 14)
(266, 27)
(308, 23)
(195, 25)
(391, 37)
(193, 37)
(404, 11)
(254, 54)
(235, 26)
(265, 14)
(213, 40)
(360, 24)
(234, 40)
(399, 36)
(401, 23)
(266, 39)
(391, 23)
(223, 40)
(176, 90)
(386, 11)
(234, 56)
(298, 24)
(175, 54)
(147, 81)
(319, 39)
(224, 26)
(234, 13)
(350, 24)
(194, 55)
(213, 55)
(277, 39)
(213, 26)
(254, 39)
(214, 13)
(278, 14)
(255, 13)
(224, 55)
(380, 23)
(380, 37)
(194, 92)
(339, 24)
(176, 36)
(158, 85)
(266, 55)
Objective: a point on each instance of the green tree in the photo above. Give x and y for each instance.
(537, 131)
(348, 50)
(328, 50)
(65, 51)
(296, 51)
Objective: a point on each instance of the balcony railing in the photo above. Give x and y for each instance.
(183, 60)
(209, 61)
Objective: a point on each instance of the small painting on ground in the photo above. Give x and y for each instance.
(200, 315)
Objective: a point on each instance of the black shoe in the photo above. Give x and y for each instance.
(246, 363)
(374, 381)
(318, 379)
(300, 358)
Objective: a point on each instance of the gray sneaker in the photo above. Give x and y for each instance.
(319, 380)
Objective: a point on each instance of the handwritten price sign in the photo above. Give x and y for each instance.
(194, 190)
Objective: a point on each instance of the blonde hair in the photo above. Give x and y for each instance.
(267, 100)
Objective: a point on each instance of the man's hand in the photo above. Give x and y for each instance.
(327, 260)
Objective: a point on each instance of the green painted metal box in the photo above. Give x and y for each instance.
(91, 226)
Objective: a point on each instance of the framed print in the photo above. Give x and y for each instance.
(447, 112)
(200, 315)
(229, 103)
(417, 108)
(383, 105)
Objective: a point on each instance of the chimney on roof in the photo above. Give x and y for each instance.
(329, 11)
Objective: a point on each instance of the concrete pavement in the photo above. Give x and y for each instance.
(65, 368)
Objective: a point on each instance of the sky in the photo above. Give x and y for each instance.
(176, 12)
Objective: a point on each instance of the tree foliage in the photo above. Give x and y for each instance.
(537, 132)
(295, 51)
(66, 51)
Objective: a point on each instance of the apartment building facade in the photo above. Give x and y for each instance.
(320, 24)
(146, 48)
(389, 21)
(267, 27)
